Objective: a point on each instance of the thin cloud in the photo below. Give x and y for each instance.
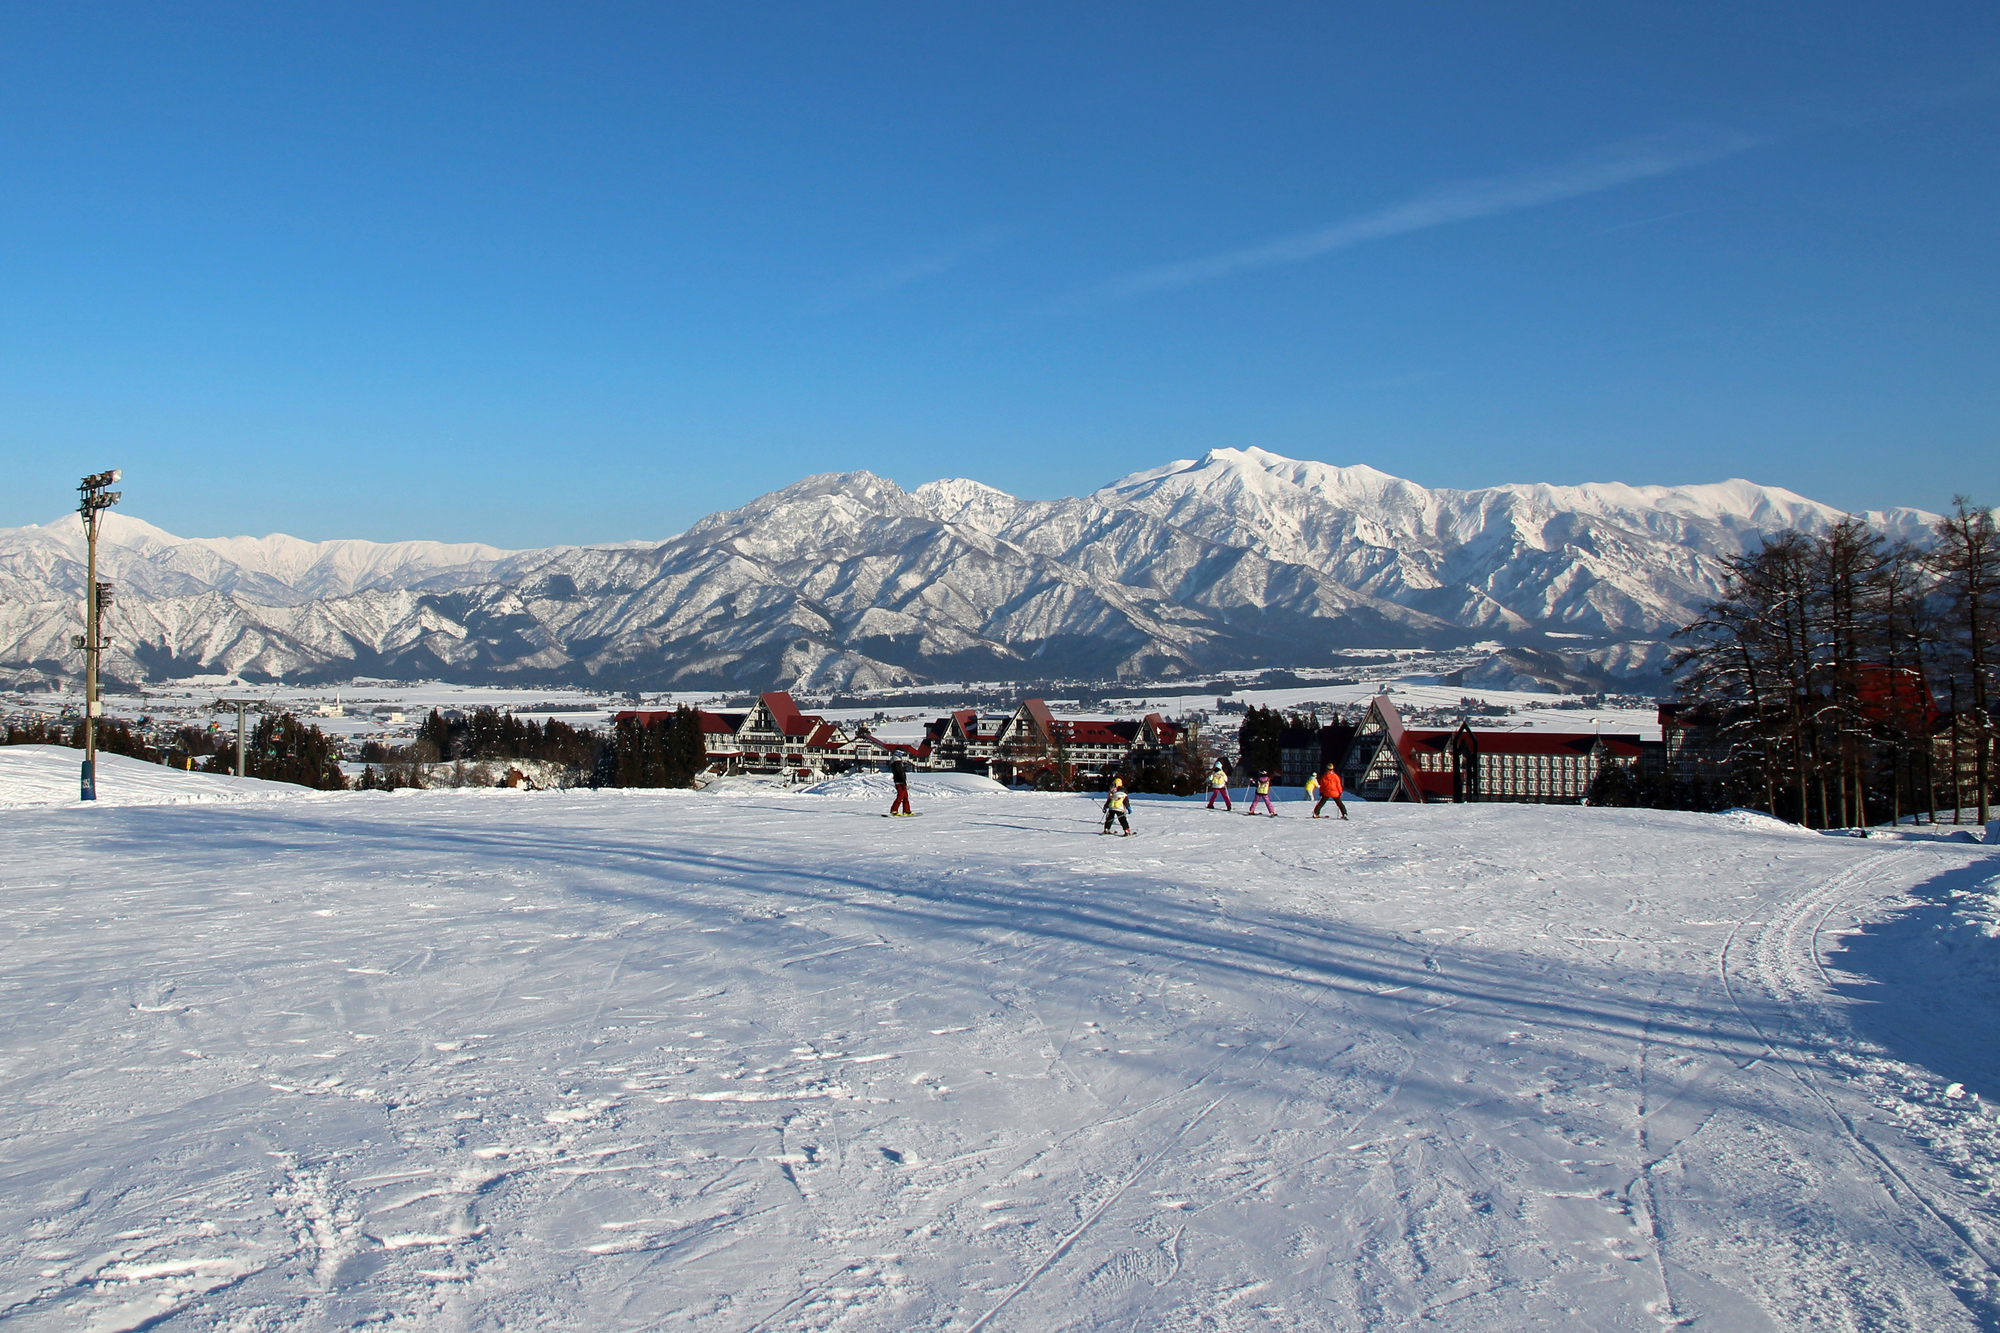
(1460, 201)
(882, 281)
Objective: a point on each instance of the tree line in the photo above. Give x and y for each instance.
(282, 748)
(1842, 678)
(483, 734)
(668, 752)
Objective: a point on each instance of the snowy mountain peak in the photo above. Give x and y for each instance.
(275, 570)
(973, 503)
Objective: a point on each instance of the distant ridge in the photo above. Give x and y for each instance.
(845, 580)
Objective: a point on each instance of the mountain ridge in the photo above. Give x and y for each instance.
(846, 580)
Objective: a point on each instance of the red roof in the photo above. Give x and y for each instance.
(785, 713)
(644, 719)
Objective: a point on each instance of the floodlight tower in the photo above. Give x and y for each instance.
(97, 497)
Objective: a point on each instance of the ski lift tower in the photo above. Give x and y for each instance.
(97, 497)
(239, 705)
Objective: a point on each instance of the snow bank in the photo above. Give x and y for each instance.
(923, 787)
(1758, 821)
(49, 775)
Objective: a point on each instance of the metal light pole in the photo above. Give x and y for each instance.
(97, 497)
(240, 705)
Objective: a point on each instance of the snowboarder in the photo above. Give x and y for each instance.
(1116, 803)
(899, 773)
(1330, 789)
(1264, 795)
(1218, 785)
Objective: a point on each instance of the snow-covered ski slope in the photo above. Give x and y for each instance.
(624, 1060)
(52, 775)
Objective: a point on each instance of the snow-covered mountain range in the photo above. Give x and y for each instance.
(1240, 558)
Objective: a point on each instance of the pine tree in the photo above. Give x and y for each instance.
(284, 749)
(686, 751)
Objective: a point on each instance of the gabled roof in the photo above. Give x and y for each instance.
(785, 714)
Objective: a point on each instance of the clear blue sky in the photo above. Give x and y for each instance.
(537, 274)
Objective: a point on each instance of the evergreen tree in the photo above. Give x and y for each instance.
(284, 749)
(434, 740)
(1258, 738)
(686, 749)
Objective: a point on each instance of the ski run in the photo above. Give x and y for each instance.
(749, 1060)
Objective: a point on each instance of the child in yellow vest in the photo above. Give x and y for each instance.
(1115, 806)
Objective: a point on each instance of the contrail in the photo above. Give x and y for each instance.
(1459, 201)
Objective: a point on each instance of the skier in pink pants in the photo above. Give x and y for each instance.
(1264, 795)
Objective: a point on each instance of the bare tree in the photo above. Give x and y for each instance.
(1967, 564)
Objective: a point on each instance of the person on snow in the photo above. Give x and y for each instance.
(1218, 785)
(1330, 789)
(899, 773)
(1116, 803)
(1312, 787)
(1264, 795)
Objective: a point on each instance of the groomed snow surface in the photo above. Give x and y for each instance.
(53, 775)
(620, 1060)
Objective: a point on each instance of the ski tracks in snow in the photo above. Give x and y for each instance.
(1812, 1041)
(590, 1063)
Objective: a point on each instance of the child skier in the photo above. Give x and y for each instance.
(1264, 795)
(1116, 803)
(899, 773)
(1218, 785)
(1330, 789)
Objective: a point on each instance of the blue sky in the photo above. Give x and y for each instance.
(538, 274)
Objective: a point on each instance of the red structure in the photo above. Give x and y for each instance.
(1387, 761)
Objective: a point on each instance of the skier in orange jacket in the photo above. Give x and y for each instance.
(1330, 790)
